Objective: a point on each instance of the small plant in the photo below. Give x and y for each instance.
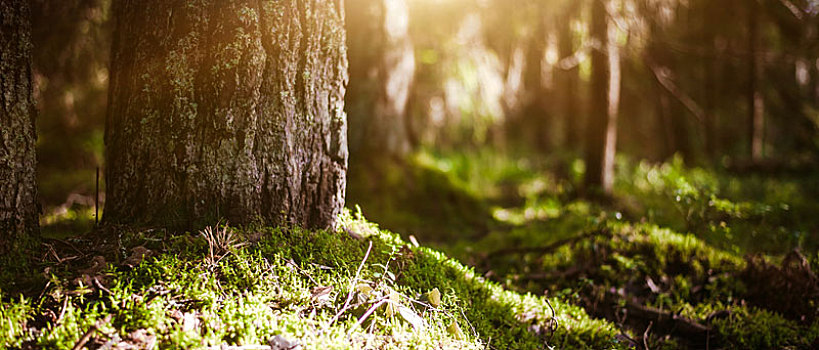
(221, 240)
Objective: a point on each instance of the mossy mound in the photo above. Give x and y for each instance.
(673, 289)
(354, 288)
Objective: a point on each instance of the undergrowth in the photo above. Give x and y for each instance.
(358, 287)
(682, 257)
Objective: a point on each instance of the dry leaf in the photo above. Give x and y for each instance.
(434, 297)
(410, 316)
(321, 294)
(455, 331)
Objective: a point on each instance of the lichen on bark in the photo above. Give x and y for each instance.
(211, 114)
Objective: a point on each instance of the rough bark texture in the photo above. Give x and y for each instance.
(382, 68)
(226, 109)
(18, 190)
(601, 139)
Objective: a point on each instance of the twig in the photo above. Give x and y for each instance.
(352, 286)
(87, 336)
(44, 290)
(69, 245)
(645, 334)
(370, 311)
(675, 324)
(100, 286)
(62, 311)
(566, 274)
(97, 200)
(554, 319)
(668, 84)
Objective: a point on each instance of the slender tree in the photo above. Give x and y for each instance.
(711, 68)
(18, 189)
(226, 109)
(567, 76)
(382, 68)
(756, 103)
(601, 138)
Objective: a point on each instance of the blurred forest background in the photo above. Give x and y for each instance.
(455, 86)
(495, 129)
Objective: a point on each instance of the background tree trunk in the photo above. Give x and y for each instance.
(382, 68)
(18, 189)
(226, 109)
(711, 70)
(601, 138)
(756, 102)
(568, 78)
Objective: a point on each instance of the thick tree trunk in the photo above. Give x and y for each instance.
(18, 189)
(601, 141)
(226, 109)
(382, 68)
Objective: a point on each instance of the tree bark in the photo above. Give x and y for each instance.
(226, 109)
(18, 190)
(382, 68)
(601, 141)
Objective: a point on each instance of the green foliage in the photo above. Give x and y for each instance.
(742, 214)
(753, 328)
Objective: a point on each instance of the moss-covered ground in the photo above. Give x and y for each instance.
(490, 252)
(357, 287)
(679, 257)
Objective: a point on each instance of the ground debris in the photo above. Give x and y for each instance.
(791, 289)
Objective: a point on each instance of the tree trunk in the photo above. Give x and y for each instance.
(756, 103)
(604, 102)
(536, 122)
(18, 189)
(711, 68)
(226, 109)
(382, 68)
(568, 79)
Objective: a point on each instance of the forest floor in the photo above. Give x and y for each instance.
(491, 252)
(679, 258)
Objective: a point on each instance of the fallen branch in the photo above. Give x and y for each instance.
(545, 249)
(90, 332)
(666, 81)
(565, 274)
(664, 322)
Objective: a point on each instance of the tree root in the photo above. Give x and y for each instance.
(629, 312)
(545, 249)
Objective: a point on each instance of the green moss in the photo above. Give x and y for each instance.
(752, 328)
(191, 296)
